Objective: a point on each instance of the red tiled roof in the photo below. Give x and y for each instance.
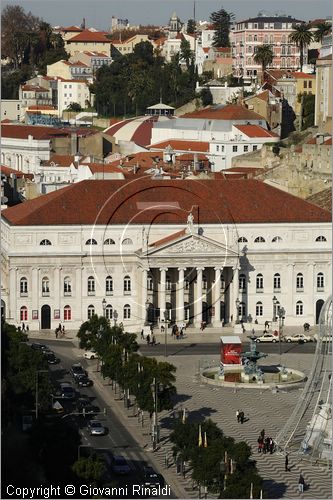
(182, 145)
(255, 131)
(41, 132)
(190, 157)
(71, 28)
(33, 88)
(169, 238)
(229, 112)
(7, 171)
(328, 142)
(34, 107)
(299, 74)
(90, 36)
(104, 167)
(117, 202)
(313, 140)
(77, 63)
(61, 160)
(95, 54)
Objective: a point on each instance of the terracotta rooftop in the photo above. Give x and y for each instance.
(7, 171)
(61, 160)
(104, 202)
(90, 36)
(255, 131)
(33, 88)
(41, 132)
(299, 74)
(182, 145)
(228, 112)
(71, 28)
(322, 199)
(169, 238)
(35, 107)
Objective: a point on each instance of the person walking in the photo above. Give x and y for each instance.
(286, 463)
(242, 417)
(56, 332)
(142, 336)
(63, 331)
(148, 339)
(153, 340)
(237, 415)
(262, 434)
(260, 444)
(301, 483)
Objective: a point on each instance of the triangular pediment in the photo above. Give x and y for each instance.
(191, 245)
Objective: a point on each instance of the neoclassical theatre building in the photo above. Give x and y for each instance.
(148, 250)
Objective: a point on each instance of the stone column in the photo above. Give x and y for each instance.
(144, 296)
(180, 312)
(198, 298)
(13, 291)
(290, 286)
(234, 294)
(310, 284)
(162, 300)
(56, 289)
(78, 314)
(217, 298)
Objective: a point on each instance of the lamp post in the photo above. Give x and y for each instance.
(147, 304)
(36, 401)
(237, 310)
(275, 301)
(155, 418)
(104, 307)
(165, 334)
(281, 312)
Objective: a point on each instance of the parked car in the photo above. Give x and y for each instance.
(298, 337)
(91, 354)
(96, 428)
(120, 465)
(268, 337)
(152, 478)
(51, 358)
(39, 347)
(77, 370)
(67, 391)
(83, 381)
(85, 406)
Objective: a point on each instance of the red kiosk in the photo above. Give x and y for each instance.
(231, 348)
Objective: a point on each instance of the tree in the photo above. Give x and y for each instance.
(90, 469)
(144, 51)
(185, 52)
(206, 96)
(301, 37)
(322, 29)
(74, 106)
(264, 56)
(221, 21)
(191, 26)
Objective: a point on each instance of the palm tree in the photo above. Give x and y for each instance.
(301, 37)
(264, 56)
(323, 29)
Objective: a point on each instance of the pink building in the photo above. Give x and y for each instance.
(274, 31)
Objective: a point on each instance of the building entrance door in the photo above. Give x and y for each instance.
(45, 317)
(319, 305)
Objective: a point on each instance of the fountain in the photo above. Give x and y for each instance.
(241, 368)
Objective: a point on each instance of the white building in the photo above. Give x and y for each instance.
(11, 109)
(70, 91)
(193, 250)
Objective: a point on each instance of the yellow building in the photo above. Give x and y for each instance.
(127, 46)
(323, 112)
(69, 70)
(305, 84)
(92, 41)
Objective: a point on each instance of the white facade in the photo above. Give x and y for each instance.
(50, 273)
(11, 109)
(70, 91)
(24, 155)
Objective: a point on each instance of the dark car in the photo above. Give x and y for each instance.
(83, 381)
(51, 358)
(152, 478)
(77, 370)
(85, 407)
(39, 347)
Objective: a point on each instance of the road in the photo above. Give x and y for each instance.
(117, 438)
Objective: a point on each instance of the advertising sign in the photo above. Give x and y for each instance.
(231, 348)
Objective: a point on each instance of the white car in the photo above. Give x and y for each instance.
(268, 337)
(96, 428)
(298, 337)
(325, 338)
(90, 354)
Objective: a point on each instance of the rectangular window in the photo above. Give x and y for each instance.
(305, 84)
(217, 148)
(246, 148)
(310, 85)
(18, 107)
(255, 148)
(234, 149)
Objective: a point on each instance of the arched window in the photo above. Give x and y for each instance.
(127, 241)
(321, 238)
(24, 313)
(299, 308)
(255, 38)
(23, 287)
(109, 285)
(45, 242)
(259, 309)
(277, 282)
(299, 282)
(204, 282)
(150, 283)
(108, 312)
(283, 62)
(259, 239)
(90, 311)
(67, 286)
(260, 282)
(109, 241)
(67, 313)
(91, 285)
(127, 284)
(241, 310)
(320, 281)
(168, 284)
(283, 39)
(127, 311)
(91, 241)
(45, 287)
(276, 239)
(242, 282)
(242, 239)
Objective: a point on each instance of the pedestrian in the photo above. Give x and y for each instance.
(153, 340)
(271, 445)
(23, 327)
(63, 331)
(162, 329)
(242, 417)
(177, 333)
(27, 328)
(181, 333)
(56, 332)
(148, 339)
(262, 434)
(266, 325)
(286, 463)
(266, 445)
(142, 336)
(237, 415)
(301, 483)
(260, 444)
(59, 327)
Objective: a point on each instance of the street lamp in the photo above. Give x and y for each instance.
(155, 418)
(281, 312)
(275, 301)
(104, 307)
(36, 402)
(165, 333)
(147, 304)
(115, 317)
(237, 310)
